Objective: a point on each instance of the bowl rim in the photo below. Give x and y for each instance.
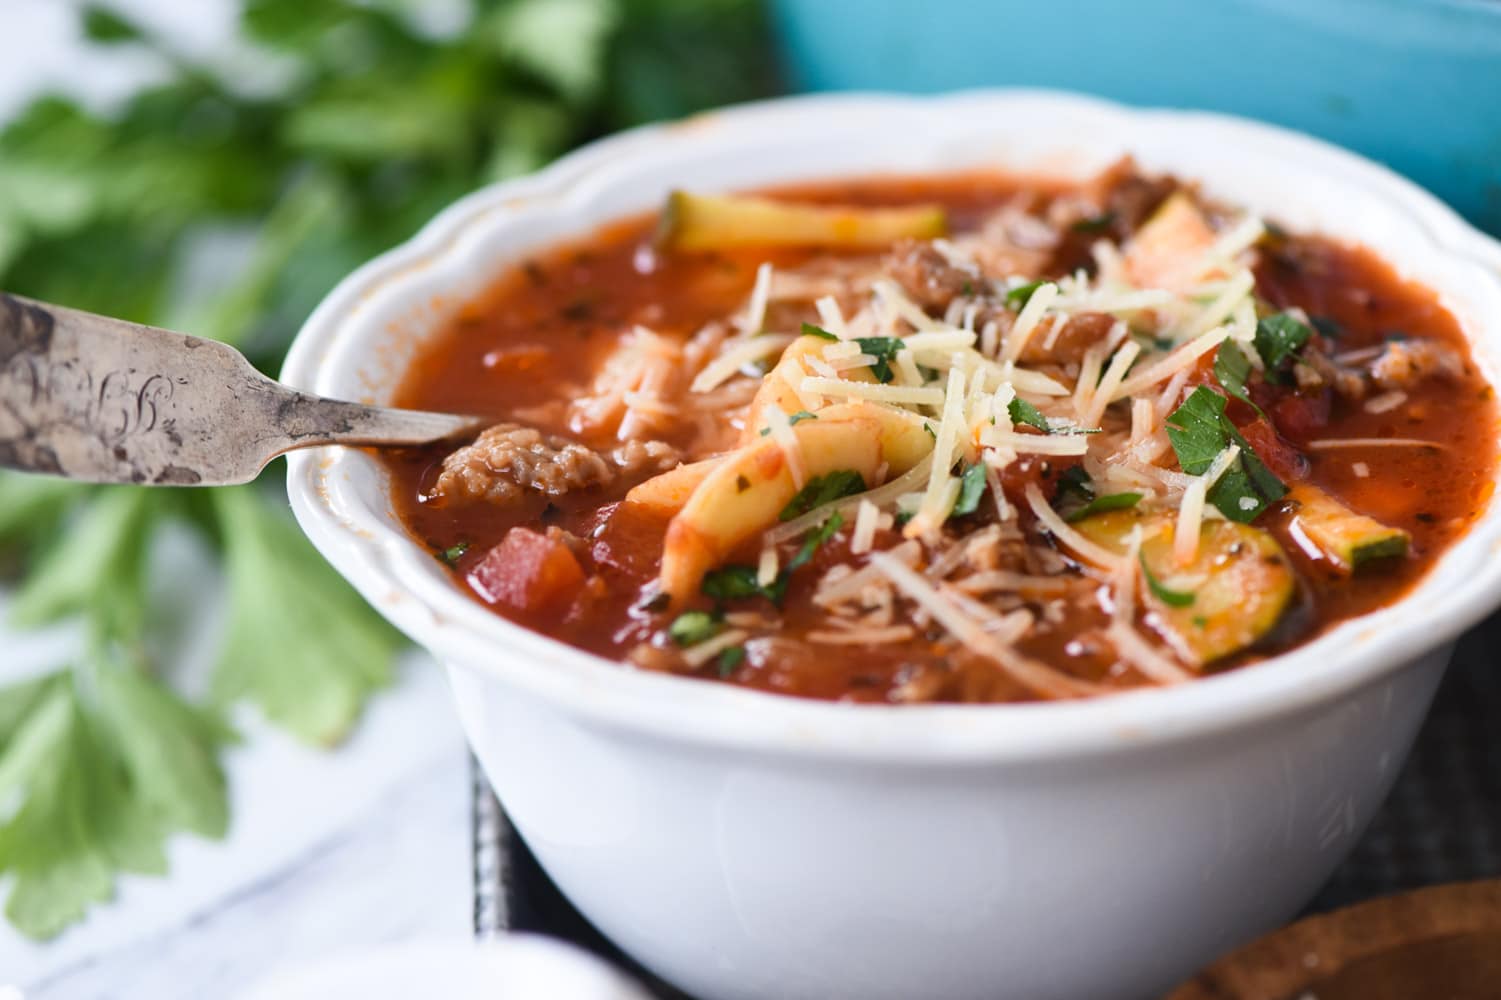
(405, 584)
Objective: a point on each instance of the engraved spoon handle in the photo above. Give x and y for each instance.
(105, 401)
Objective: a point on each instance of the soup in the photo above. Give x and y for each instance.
(959, 438)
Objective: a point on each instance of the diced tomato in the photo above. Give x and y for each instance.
(629, 538)
(528, 571)
(1285, 461)
(1300, 415)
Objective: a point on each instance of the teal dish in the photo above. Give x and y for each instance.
(1414, 84)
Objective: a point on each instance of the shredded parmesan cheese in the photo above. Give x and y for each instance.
(697, 656)
(766, 570)
(874, 391)
(755, 310)
(1191, 508)
(947, 613)
(1328, 444)
(1027, 320)
(1385, 402)
(1061, 530)
(867, 517)
(1180, 360)
(736, 354)
(862, 636)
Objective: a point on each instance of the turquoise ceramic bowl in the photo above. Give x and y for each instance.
(1415, 84)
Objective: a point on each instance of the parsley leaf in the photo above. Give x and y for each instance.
(693, 627)
(739, 582)
(1199, 431)
(823, 489)
(101, 783)
(1105, 504)
(454, 553)
(1278, 338)
(729, 659)
(971, 489)
(813, 539)
(1168, 596)
(810, 330)
(884, 349)
(1023, 412)
(1232, 368)
(299, 643)
(800, 415)
(1018, 297)
(1075, 481)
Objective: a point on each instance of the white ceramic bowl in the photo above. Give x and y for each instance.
(744, 845)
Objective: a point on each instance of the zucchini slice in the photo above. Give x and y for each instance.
(1230, 597)
(1347, 539)
(712, 222)
(1174, 238)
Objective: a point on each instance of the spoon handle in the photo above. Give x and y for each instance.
(105, 401)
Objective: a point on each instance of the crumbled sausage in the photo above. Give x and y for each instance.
(1079, 334)
(1407, 361)
(1318, 370)
(507, 460)
(929, 278)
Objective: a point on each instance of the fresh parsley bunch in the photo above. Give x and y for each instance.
(225, 202)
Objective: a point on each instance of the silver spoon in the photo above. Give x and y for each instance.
(105, 401)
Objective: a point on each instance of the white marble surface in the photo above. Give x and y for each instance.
(327, 852)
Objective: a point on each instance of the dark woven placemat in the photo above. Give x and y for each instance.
(1441, 824)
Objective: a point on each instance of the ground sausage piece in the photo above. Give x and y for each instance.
(928, 277)
(1407, 361)
(1319, 370)
(1079, 334)
(507, 460)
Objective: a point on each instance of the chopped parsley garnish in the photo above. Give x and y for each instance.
(730, 659)
(883, 349)
(1165, 594)
(1018, 297)
(1199, 431)
(1278, 338)
(823, 489)
(800, 415)
(971, 489)
(1096, 224)
(1105, 504)
(739, 582)
(809, 330)
(693, 627)
(1075, 481)
(931, 432)
(454, 553)
(1232, 368)
(1023, 412)
(813, 539)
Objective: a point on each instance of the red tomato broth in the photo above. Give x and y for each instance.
(546, 324)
